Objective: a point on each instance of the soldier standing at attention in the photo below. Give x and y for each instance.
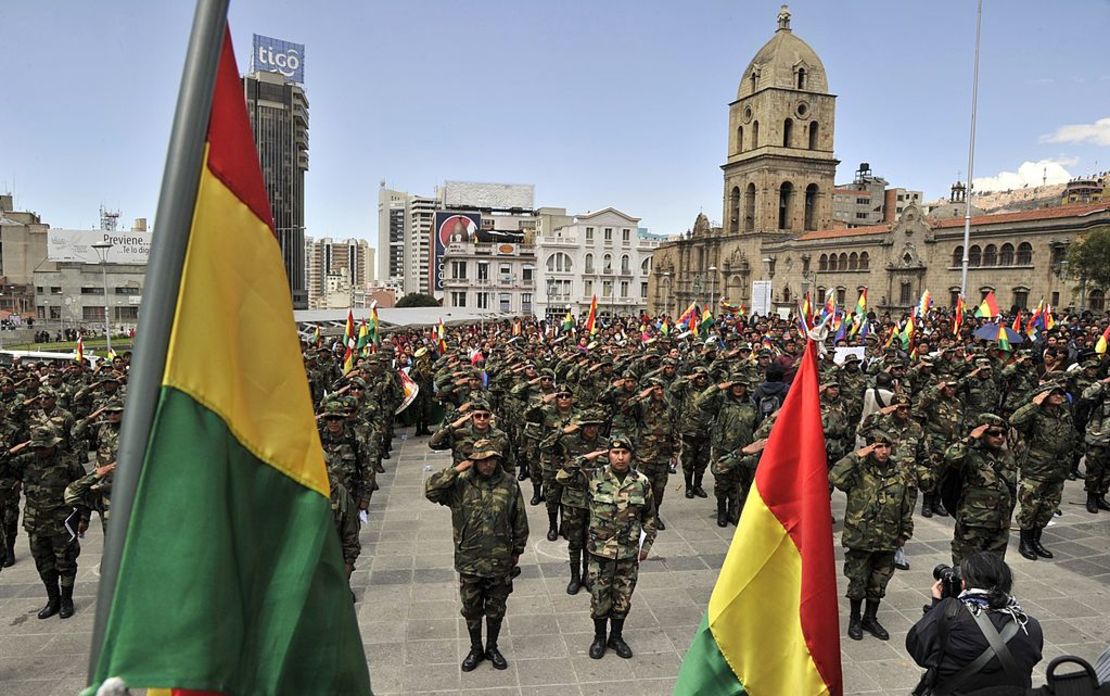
(621, 505)
(475, 423)
(693, 425)
(1097, 439)
(732, 429)
(942, 415)
(94, 491)
(878, 520)
(655, 444)
(1046, 423)
(988, 490)
(346, 464)
(566, 449)
(490, 528)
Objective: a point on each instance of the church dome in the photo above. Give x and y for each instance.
(786, 62)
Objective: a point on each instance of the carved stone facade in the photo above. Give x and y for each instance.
(778, 182)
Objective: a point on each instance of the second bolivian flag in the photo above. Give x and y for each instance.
(231, 579)
(771, 628)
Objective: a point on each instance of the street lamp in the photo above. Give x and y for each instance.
(667, 292)
(712, 284)
(102, 251)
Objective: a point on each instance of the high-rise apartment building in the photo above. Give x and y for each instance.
(279, 119)
(333, 265)
(404, 234)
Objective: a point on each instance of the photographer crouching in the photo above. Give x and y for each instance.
(975, 635)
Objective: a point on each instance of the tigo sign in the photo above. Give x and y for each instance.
(275, 55)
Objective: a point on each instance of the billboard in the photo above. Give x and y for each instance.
(449, 227)
(470, 194)
(275, 55)
(128, 246)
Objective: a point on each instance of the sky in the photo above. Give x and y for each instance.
(620, 103)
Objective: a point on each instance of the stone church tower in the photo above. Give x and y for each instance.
(780, 167)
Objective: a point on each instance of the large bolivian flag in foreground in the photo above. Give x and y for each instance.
(771, 628)
(231, 579)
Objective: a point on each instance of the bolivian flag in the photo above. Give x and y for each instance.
(988, 308)
(230, 579)
(958, 315)
(1100, 345)
(771, 627)
(79, 354)
(590, 327)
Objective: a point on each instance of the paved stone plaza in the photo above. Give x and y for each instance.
(414, 637)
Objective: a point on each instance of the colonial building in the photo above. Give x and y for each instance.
(779, 238)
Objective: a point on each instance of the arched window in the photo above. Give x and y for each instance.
(864, 261)
(974, 256)
(853, 261)
(990, 255)
(813, 135)
(788, 133)
(801, 83)
(607, 262)
(740, 139)
(811, 207)
(749, 208)
(786, 294)
(958, 256)
(626, 264)
(589, 263)
(1025, 254)
(786, 193)
(755, 80)
(832, 262)
(645, 266)
(823, 262)
(841, 295)
(842, 262)
(734, 210)
(1096, 300)
(1006, 256)
(755, 134)
(559, 263)
(905, 293)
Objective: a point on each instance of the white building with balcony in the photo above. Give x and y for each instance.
(603, 253)
(494, 276)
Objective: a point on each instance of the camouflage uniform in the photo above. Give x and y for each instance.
(853, 382)
(655, 443)
(345, 518)
(732, 430)
(1050, 435)
(542, 467)
(1097, 439)
(693, 425)
(568, 451)
(908, 448)
(987, 498)
(461, 441)
(943, 419)
(837, 427)
(980, 393)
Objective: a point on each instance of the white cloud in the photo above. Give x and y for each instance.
(1097, 133)
(1051, 171)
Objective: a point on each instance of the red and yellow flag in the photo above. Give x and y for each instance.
(988, 308)
(231, 579)
(79, 356)
(779, 572)
(958, 317)
(591, 319)
(1100, 345)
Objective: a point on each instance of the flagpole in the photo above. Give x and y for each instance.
(173, 220)
(971, 151)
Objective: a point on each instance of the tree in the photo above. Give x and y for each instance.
(416, 299)
(1089, 258)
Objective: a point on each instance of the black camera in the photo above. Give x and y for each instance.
(950, 583)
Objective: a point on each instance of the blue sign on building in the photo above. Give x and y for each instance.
(275, 55)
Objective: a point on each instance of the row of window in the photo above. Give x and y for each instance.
(787, 135)
(993, 256)
(607, 288)
(505, 272)
(484, 300)
(93, 290)
(786, 207)
(844, 262)
(607, 232)
(560, 262)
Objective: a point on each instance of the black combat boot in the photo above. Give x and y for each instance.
(575, 583)
(734, 509)
(523, 475)
(616, 639)
(493, 628)
(1092, 502)
(9, 555)
(1025, 546)
(1075, 473)
(698, 490)
(1103, 503)
(597, 648)
(552, 523)
(65, 608)
(537, 493)
(476, 654)
(722, 512)
(1038, 548)
(53, 596)
(855, 630)
(586, 571)
(938, 506)
(927, 505)
(689, 477)
(659, 526)
(871, 623)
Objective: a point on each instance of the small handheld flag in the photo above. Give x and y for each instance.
(988, 308)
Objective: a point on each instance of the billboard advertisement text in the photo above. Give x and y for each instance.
(275, 55)
(128, 246)
(450, 227)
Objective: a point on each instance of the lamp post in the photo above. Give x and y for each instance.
(667, 292)
(102, 251)
(712, 284)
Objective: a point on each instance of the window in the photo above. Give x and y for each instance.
(861, 216)
(749, 208)
(1021, 298)
(905, 294)
(1059, 253)
(1096, 300)
(626, 235)
(645, 266)
(483, 270)
(607, 288)
(953, 297)
(55, 290)
(811, 207)
(482, 300)
(55, 312)
(853, 261)
(788, 133)
(813, 136)
(801, 83)
(1006, 256)
(643, 290)
(786, 193)
(125, 290)
(38, 290)
(458, 270)
(589, 263)
(805, 264)
(607, 263)
(740, 139)
(990, 255)
(127, 313)
(1055, 299)
(755, 134)
(842, 262)
(526, 275)
(841, 295)
(589, 287)
(559, 263)
(92, 313)
(506, 302)
(624, 288)
(786, 295)
(505, 271)
(1025, 254)
(974, 256)
(589, 234)
(958, 256)
(734, 210)
(92, 291)
(832, 262)
(458, 298)
(823, 262)
(626, 265)
(864, 261)
(526, 303)
(608, 235)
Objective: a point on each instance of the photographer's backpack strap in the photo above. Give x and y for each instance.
(1082, 683)
(997, 643)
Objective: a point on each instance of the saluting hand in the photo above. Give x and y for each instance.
(102, 471)
(865, 450)
(463, 465)
(978, 431)
(755, 447)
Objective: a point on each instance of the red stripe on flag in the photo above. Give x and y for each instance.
(796, 490)
(228, 128)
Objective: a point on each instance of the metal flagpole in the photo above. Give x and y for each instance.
(971, 151)
(176, 205)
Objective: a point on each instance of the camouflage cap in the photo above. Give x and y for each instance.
(357, 383)
(484, 449)
(983, 362)
(44, 437)
(479, 405)
(656, 382)
(744, 346)
(879, 436)
(547, 373)
(1090, 363)
(619, 441)
(900, 400)
(48, 393)
(1052, 385)
(334, 409)
(851, 357)
(114, 406)
(700, 371)
(990, 419)
(592, 416)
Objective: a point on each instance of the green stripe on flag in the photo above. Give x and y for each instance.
(704, 670)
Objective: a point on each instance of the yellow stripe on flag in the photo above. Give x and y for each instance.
(229, 342)
(755, 608)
